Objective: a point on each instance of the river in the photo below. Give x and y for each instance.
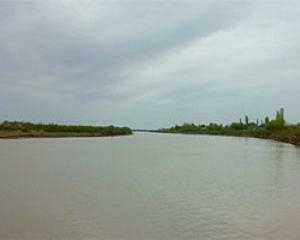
(149, 186)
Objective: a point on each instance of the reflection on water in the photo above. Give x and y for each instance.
(149, 186)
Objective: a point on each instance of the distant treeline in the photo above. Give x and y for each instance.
(36, 129)
(276, 129)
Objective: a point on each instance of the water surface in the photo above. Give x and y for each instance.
(149, 186)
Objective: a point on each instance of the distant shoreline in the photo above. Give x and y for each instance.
(276, 129)
(15, 130)
(55, 135)
(276, 136)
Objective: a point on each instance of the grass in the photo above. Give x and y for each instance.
(26, 129)
(288, 134)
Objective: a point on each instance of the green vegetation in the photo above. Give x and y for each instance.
(276, 129)
(27, 129)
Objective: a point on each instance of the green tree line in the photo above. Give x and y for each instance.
(26, 127)
(276, 128)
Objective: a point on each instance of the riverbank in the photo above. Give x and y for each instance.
(290, 134)
(16, 135)
(13, 130)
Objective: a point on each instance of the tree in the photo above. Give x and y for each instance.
(267, 120)
(280, 114)
(279, 121)
(246, 120)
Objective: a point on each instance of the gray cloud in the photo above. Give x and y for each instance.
(147, 63)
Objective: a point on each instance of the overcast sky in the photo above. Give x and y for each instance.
(148, 64)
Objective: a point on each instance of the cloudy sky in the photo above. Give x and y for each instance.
(148, 63)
